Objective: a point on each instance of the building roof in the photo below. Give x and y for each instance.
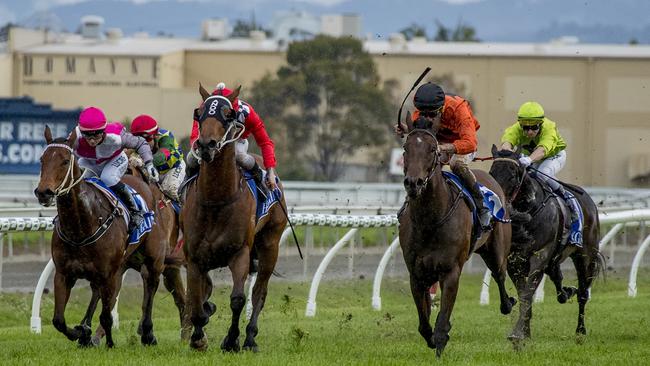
(579, 50)
(139, 46)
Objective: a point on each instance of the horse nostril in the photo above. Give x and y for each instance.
(419, 182)
(212, 144)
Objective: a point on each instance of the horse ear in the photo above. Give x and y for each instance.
(234, 94)
(48, 134)
(204, 93)
(409, 121)
(495, 151)
(72, 137)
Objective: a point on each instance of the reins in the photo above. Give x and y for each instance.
(62, 189)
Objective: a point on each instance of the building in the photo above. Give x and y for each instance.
(598, 94)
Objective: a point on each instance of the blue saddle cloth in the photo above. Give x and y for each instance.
(263, 202)
(490, 199)
(147, 223)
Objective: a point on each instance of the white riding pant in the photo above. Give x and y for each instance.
(171, 181)
(110, 171)
(551, 166)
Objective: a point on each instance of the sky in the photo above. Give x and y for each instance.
(603, 21)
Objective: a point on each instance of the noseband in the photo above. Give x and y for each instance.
(69, 175)
(521, 181)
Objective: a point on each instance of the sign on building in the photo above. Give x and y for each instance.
(22, 123)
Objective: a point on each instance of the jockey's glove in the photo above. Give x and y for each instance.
(525, 161)
(153, 172)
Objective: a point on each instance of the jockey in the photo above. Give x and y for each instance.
(100, 148)
(457, 134)
(253, 125)
(543, 148)
(167, 155)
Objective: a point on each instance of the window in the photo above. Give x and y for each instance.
(27, 65)
(113, 66)
(134, 66)
(70, 64)
(49, 65)
(91, 66)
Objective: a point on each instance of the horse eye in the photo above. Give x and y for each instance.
(66, 161)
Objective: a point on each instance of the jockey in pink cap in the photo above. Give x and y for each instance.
(253, 126)
(100, 147)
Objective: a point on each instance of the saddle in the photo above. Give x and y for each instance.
(565, 209)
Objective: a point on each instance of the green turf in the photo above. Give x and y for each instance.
(346, 331)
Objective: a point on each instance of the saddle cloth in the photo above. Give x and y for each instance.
(262, 202)
(147, 224)
(490, 199)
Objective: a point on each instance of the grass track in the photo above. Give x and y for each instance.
(346, 331)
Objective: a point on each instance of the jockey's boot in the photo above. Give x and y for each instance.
(468, 178)
(258, 175)
(125, 196)
(575, 237)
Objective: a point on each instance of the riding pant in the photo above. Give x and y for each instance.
(551, 166)
(110, 171)
(171, 181)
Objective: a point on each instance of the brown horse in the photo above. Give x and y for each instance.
(218, 220)
(435, 234)
(90, 242)
(538, 240)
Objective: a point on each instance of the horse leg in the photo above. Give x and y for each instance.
(108, 293)
(526, 286)
(197, 294)
(151, 279)
(586, 269)
(239, 269)
(174, 284)
(87, 340)
(422, 301)
(62, 287)
(267, 249)
(449, 289)
(563, 293)
(497, 265)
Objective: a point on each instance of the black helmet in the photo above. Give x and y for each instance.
(429, 96)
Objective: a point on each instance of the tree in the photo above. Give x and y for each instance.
(414, 30)
(324, 105)
(243, 28)
(462, 33)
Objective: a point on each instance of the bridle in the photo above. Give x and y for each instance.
(521, 181)
(211, 109)
(435, 162)
(68, 181)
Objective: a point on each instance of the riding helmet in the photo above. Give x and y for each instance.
(530, 114)
(429, 96)
(92, 119)
(144, 124)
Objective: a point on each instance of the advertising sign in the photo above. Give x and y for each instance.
(22, 124)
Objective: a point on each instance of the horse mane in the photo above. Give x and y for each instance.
(60, 140)
(507, 154)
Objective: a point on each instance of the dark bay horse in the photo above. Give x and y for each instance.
(218, 220)
(90, 242)
(435, 233)
(538, 240)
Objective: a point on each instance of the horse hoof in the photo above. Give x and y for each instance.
(506, 307)
(148, 340)
(200, 345)
(517, 342)
(95, 340)
(581, 337)
(186, 333)
(561, 297)
(252, 348)
(570, 291)
(439, 351)
(228, 346)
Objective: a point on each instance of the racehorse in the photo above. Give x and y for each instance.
(90, 242)
(435, 233)
(539, 239)
(218, 221)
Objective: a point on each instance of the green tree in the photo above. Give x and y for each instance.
(414, 30)
(323, 106)
(462, 33)
(243, 28)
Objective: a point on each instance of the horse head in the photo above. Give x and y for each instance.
(217, 123)
(507, 171)
(421, 155)
(58, 168)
